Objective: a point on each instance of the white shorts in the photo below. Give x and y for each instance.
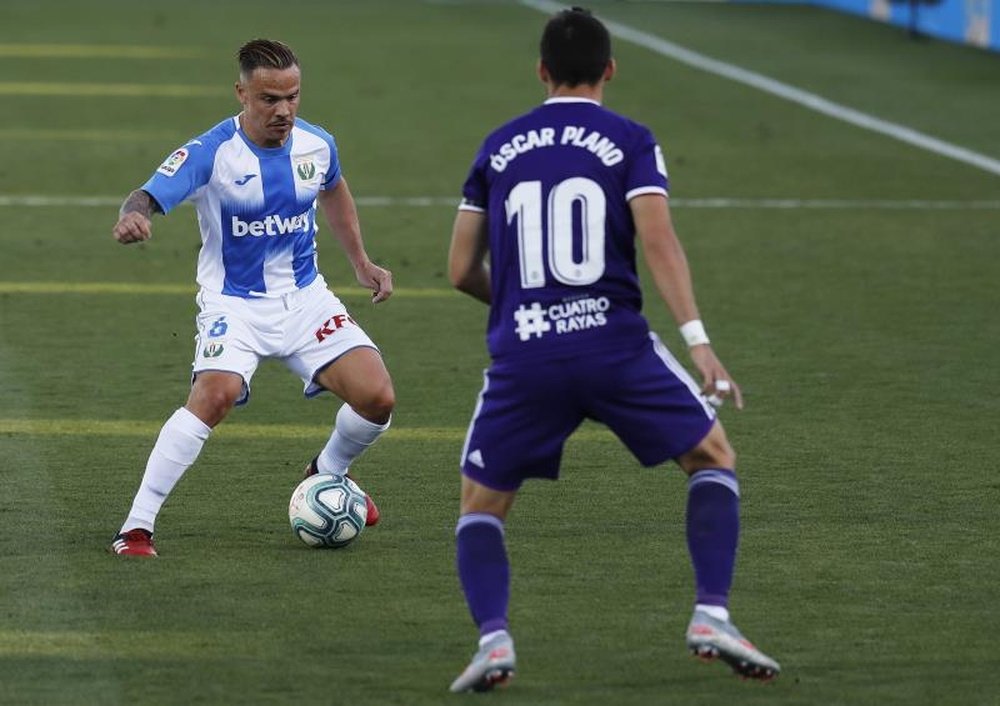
(306, 330)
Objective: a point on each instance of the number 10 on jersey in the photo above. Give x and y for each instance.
(524, 205)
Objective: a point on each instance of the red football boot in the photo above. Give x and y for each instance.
(134, 542)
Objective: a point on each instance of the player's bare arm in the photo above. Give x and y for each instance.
(134, 218)
(467, 266)
(669, 267)
(341, 215)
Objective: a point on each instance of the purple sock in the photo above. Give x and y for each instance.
(713, 530)
(483, 569)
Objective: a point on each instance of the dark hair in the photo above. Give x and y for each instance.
(575, 47)
(267, 54)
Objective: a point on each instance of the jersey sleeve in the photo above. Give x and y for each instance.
(183, 172)
(333, 174)
(647, 170)
(475, 191)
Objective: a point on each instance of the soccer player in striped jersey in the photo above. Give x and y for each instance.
(554, 202)
(255, 180)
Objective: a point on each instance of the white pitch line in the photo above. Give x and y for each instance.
(42, 200)
(839, 204)
(47, 201)
(766, 84)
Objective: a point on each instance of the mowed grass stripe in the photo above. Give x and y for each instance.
(234, 430)
(123, 427)
(97, 51)
(89, 135)
(76, 644)
(188, 289)
(120, 90)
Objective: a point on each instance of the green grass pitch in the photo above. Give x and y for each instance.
(861, 320)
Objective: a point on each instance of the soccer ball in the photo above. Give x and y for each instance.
(327, 511)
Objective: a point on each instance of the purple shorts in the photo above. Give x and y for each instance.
(527, 410)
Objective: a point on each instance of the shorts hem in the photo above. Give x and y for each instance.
(673, 456)
(244, 397)
(312, 388)
(492, 484)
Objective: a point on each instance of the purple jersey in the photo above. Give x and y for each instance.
(555, 184)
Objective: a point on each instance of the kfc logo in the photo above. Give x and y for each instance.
(331, 325)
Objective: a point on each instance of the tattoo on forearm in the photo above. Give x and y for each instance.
(140, 202)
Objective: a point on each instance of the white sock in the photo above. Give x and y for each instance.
(490, 635)
(176, 448)
(352, 434)
(716, 611)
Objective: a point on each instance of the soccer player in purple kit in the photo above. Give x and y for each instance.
(554, 201)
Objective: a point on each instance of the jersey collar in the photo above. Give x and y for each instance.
(263, 151)
(569, 99)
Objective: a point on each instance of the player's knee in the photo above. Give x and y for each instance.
(728, 458)
(214, 408)
(212, 402)
(478, 498)
(700, 458)
(714, 451)
(378, 404)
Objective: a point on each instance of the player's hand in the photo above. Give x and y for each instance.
(378, 279)
(717, 384)
(132, 228)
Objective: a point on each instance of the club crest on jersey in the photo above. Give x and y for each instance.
(305, 168)
(213, 350)
(172, 163)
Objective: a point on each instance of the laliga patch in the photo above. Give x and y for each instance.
(661, 163)
(172, 163)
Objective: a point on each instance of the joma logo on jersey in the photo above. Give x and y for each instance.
(271, 225)
(331, 325)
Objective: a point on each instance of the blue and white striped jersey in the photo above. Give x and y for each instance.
(256, 206)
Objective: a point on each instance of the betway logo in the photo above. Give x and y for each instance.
(272, 225)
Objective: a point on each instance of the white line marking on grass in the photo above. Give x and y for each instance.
(190, 290)
(720, 202)
(783, 90)
(44, 201)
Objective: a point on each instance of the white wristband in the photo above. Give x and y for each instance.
(693, 333)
